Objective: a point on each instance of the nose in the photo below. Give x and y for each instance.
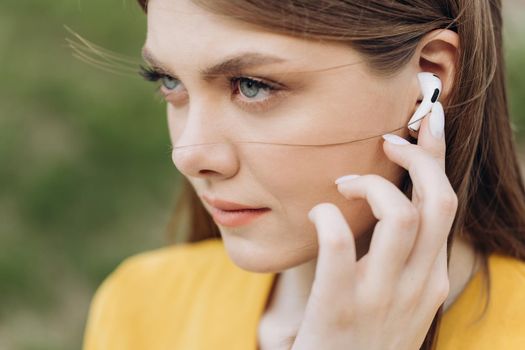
(202, 150)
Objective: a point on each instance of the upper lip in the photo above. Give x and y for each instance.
(226, 205)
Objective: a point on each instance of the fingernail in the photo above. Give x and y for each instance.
(395, 139)
(437, 121)
(345, 178)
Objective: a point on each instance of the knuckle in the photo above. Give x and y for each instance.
(439, 289)
(438, 152)
(443, 290)
(344, 318)
(406, 217)
(448, 203)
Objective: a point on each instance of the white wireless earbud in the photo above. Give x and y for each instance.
(430, 85)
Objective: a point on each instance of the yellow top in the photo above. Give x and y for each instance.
(191, 296)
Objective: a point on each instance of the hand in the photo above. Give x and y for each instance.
(388, 299)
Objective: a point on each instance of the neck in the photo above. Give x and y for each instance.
(290, 293)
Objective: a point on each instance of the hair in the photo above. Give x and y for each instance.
(481, 162)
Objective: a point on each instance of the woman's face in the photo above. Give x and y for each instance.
(323, 107)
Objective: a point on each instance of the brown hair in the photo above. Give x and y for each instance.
(481, 161)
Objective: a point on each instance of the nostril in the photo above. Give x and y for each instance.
(206, 171)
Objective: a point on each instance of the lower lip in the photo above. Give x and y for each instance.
(237, 217)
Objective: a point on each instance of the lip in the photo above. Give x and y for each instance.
(233, 214)
(234, 218)
(226, 205)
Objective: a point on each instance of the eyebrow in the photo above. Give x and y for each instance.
(231, 65)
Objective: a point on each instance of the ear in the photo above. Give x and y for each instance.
(437, 52)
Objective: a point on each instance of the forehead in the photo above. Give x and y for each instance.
(185, 35)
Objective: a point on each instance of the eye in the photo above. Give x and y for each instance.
(243, 89)
(251, 88)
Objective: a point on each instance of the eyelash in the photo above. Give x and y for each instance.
(154, 75)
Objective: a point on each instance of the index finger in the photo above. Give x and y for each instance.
(436, 146)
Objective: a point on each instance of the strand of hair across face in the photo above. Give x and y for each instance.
(301, 145)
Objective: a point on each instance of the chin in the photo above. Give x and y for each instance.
(262, 257)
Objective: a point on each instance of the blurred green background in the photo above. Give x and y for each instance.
(86, 174)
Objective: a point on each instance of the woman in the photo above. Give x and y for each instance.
(268, 103)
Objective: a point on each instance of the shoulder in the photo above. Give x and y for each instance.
(149, 270)
(480, 321)
(508, 269)
(190, 256)
(143, 284)
(506, 305)
(507, 287)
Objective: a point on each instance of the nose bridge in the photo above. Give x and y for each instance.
(203, 123)
(203, 147)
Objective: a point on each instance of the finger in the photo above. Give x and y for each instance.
(437, 202)
(396, 230)
(437, 288)
(431, 134)
(440, 274)
(337, 257)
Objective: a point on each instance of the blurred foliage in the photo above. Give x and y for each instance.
(86, 173)
(515, 61)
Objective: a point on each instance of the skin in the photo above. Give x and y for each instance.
(332, 106)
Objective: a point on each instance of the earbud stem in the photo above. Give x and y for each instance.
(424, 108)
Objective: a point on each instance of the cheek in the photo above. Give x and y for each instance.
(299, 178)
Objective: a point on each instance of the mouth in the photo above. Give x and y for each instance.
(233, 218)
(227, 205)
